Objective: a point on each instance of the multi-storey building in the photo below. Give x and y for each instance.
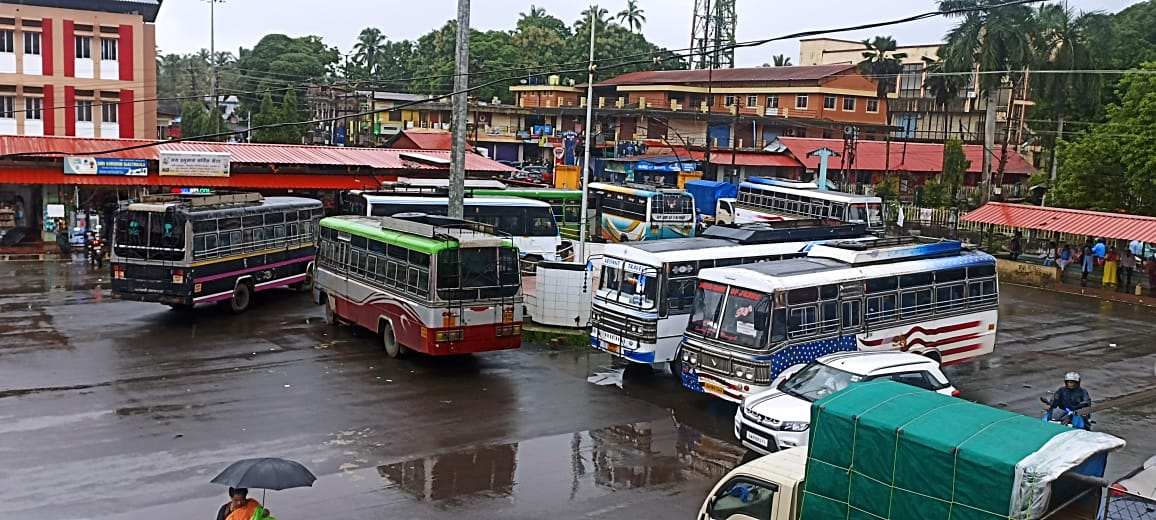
(83, 68)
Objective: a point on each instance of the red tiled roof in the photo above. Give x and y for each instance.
(919, 157)
(1063, 220)
(426, 140)
(747, 74)
(246, 153)
(755, 159)
(241, 180)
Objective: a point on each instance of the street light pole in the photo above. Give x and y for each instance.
(213, 63)
(589, 137)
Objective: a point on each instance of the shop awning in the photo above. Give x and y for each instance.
(1069, 221)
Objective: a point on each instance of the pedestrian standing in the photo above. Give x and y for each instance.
(1127, 265)
(1064, 259)
(1151, 270)
(1111, 264)
(1100, 250)
(1015, 247)
(1087, 262)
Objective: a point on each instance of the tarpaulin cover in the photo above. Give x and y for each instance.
(884, 450)
(707, 193)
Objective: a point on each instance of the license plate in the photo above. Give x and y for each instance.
(713, 388)
(609, 337)
(758, 439)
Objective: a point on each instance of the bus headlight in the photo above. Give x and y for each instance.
(449, 336)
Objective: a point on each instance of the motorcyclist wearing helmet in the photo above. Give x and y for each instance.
(1071, 396)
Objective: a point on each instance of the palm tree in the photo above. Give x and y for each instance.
(1064, 43)
(943, 87)
(535, 12)
(632, 16)
(369, 48)
(781, 60)
(598, 13)
(995, 41)
(882, 63)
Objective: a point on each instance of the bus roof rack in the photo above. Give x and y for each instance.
(436, 226)
(204, 200)
(806, 230)
(866, 252)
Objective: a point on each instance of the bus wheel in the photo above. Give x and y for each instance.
(638, 370)
(675, 366)
(330, 313)
(240, 300)
(393, 349)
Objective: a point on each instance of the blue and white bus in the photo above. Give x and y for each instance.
(748, 324)
(529, 223)
(630, 214)
(767, 200)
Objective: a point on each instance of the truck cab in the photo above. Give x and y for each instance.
(767, 488)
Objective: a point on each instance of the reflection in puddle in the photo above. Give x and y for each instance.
(567, 467)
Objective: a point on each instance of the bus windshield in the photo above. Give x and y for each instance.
(150, 235)
(535, 221)
(638, 290)
(477, 273)
(740, 318)
(672, 206)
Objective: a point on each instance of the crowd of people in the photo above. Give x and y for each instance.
(1119, 267)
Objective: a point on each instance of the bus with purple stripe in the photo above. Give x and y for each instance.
(188, 248)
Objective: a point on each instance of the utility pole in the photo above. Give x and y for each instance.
(213, 64)
(589, 137)
(461, 83)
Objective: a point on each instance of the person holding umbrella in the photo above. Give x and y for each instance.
(240, 506)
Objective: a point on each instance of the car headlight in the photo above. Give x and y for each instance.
(795, 426)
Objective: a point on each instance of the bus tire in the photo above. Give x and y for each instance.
(331, 318)
(638, 370)
(242, 297)
(389, 343)
(675, 366)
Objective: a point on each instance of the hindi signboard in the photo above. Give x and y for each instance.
(194, 164)
(106, 166)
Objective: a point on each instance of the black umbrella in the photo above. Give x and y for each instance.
(267, 473)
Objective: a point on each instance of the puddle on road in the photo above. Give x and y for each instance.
(566, 467)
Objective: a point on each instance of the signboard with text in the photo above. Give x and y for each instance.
(106, 166)
(194, 164)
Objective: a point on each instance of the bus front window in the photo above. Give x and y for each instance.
(874, 214)
(744, 318)
(857, 213)
(708, 298)
(639, 290)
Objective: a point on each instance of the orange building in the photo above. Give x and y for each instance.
(83, 68)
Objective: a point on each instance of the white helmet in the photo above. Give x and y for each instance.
(1072, 376)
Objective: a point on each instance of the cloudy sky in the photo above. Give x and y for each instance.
(183, 25)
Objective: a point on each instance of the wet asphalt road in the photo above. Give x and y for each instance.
(120, 410)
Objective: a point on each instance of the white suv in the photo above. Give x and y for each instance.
(780, 417)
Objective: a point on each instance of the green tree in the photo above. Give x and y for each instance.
(290, 112)
(368, 49)
(955, 165)
(600, 18)
(1108, 168)
(1065, 42)
(781, 60)
(278, 60)
(997, 38)
(632, 17)
(197, 121)
(269, 114)
(882, 64)
(944, 88)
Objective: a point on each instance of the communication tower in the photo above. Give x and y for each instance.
(712, 34)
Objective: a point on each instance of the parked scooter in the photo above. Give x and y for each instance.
(1071, 418)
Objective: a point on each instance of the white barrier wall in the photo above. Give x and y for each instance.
(562, 294)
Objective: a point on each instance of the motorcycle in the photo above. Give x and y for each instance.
(1071, 418)
(95, 251)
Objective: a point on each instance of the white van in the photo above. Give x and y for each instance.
(767, 488)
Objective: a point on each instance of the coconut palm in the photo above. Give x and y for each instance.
(535, 12)
(781, 60)
(996, 40)
(882, 64)
(1064, 43)
(632, 17)
(598, 13)
(369, 48)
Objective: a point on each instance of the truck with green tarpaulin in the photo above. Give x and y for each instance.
(882, 450)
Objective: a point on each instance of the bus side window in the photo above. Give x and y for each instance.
(851, 316)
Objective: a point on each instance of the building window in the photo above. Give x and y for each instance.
(911, 80)
(7, 41)
(729, 101)
(83, 47)
(31, 42)
(33, 108)
(84, 111)
(873, 106)
(773, 101)
(7, 107)
(108, 48)
(829, 102)
(800, 101)
(848, 104)
(108, 112)
(752, 101)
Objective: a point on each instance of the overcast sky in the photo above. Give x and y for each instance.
(183, 25)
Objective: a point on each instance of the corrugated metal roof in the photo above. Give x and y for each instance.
(1063, 220)
(743, 75)
(918, 157)
(425, 140)
(245, 153)
(242, 180)
(755, 159)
